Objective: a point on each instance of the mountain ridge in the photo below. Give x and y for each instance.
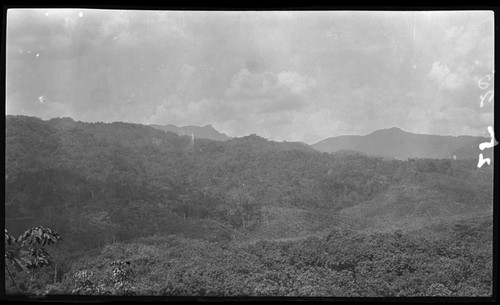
(271, 189)
(399, 144)
(392, 142)
(205, 132)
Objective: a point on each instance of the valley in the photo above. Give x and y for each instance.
(244, 216)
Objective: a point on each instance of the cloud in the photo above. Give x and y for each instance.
(295, 82)
(246, 85)
(464, 44)
(247, 93)
(270, 92)
(53, 33)
(444, 78)
(252, 102)
(290, 102)
(463, 39)
(288, 75)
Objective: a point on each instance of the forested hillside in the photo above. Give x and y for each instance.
(289, 219)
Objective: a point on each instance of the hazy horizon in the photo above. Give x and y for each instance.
(244, 135)
(289, 75)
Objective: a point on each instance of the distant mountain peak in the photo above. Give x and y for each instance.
(395, 129)
(205, 132)
(396, 143)
(391, 130)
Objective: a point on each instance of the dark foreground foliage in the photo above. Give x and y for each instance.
(437, 261)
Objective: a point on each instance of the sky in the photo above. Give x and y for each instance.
(284, 75)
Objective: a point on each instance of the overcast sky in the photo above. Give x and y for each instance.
(294, 76)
